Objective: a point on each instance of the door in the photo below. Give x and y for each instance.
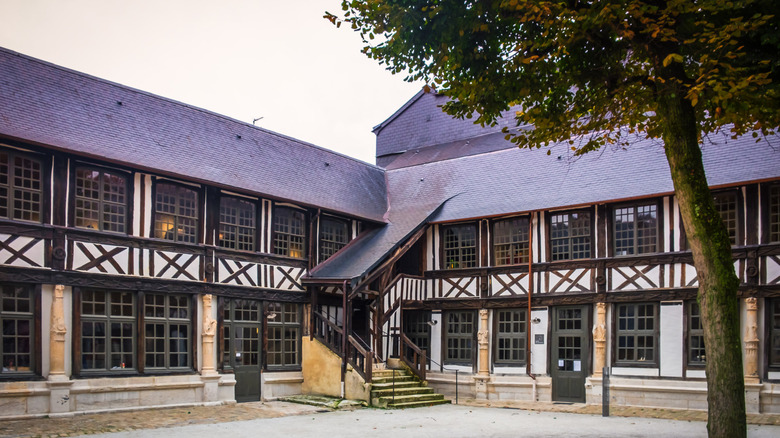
(570, 353)
(242, 346)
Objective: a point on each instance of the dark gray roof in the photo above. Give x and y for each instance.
(503, 181)
(53, 106)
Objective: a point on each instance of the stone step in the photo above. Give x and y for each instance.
(390, 379)
(389, 373)
(401, 391)
(407, 384)
(401, 399)
(419, 404)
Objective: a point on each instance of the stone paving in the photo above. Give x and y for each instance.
(87, 424)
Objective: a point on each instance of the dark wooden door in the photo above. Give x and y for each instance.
(246, 351)
(570, 352)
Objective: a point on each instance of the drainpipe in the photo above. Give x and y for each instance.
(528, 318)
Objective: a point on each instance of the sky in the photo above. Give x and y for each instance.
(246, 59)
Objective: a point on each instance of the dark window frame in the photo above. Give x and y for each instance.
(510, 336)
(33, 317)
(198, 218)
(515, 243)
(286, 237)
(636, 249)
(464, 351)
(739, 237)
(455, 257)
(189, 321)
(635, 333)
(126, 367)
(551, 240)
(770, 213)
(280, 310)
(222, 224)
(128, 193)
(772, 334)
(9, 185)
(234, 313)
(329, 246)
(695, 351)
(416, 327)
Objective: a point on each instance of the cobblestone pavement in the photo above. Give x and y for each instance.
(88, 424)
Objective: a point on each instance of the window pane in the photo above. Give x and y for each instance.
(237, 224)
(284, 333)
(460, 246)
(334, 235)
(16, 321)
(21, 182)
(636, 337)
(570, 236)
(176, 213)
(774, 213)
(289, 234)
(510, 242)
(726, 204)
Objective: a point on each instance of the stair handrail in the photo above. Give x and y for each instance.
(327, 332)
(360, 356)
(419, 360)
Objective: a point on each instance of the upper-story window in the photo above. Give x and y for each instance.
(176, 213)
(635, 229)
(570, 235)
(289, 232)
(460, 246)
(21, 182)
(726, 204)
(774, 213)
(101, 200)
(334, 235)
(237, 224)
(510, 241)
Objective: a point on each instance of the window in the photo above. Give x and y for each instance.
(21, 182)
(510, 336)
(107, 331)
(774, 322)
(726, 205)
(334, 235)
(241, 333)
(774, 213)
(289, 232)
(236, 224)
(696, 352)
(16, 317)
(416, 328)
(636, 333)
(167, 331)
(510, 241)
(176, 213)
(570, 235)
(460, 246)
(459, 337)
(635, 229)
(101, 200)
(284, 335)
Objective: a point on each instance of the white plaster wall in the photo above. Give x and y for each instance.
(671, 354)
(147, 202)
(539, 351)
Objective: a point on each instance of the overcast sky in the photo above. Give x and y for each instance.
(279, 60)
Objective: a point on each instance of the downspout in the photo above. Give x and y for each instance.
(528, 318)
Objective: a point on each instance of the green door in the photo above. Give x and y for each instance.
(242, 346)
(570, 352)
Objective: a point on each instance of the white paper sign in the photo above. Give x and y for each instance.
(560, 363)
(577, 365)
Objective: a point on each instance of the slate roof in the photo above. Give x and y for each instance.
(53, 106)
(495, 181)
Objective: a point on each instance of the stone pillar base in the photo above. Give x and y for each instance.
(59, 394)
(210, 386)
(481, 387)
(752, 395)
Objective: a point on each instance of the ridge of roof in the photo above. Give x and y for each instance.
(378, 128)
(183, 104)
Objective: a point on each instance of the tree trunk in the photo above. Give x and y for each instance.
(712, 257)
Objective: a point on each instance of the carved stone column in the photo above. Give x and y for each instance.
(58, 331)
(209, 330)
(483, 373)
(751, 340)
(600, 339)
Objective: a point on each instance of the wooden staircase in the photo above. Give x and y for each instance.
(406, 392)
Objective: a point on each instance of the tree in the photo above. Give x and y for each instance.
(601, 71)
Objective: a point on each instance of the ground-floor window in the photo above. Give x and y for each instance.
(284, 335)
(122, 331)
(774, 327)
(16, 317)
(696, 353)
(637, 333)
(459, 337)
(510, 336)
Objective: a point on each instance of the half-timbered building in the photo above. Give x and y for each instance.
(153, 253)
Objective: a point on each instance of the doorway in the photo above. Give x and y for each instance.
(570, 353)
(242, 346)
